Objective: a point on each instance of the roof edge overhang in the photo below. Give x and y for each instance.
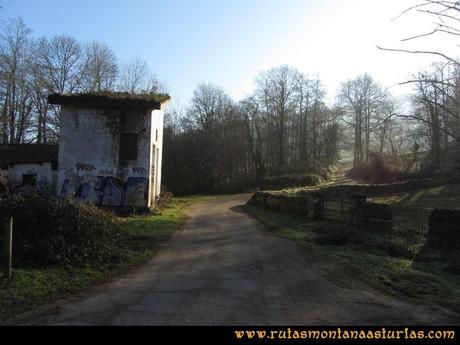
(111, 100)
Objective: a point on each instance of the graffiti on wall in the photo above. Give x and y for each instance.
(140, 171)
(85, 167)
(64, 189)
(108, 191)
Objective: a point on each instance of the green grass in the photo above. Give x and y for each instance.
(442, 197)
(140, 237)
(362, 258)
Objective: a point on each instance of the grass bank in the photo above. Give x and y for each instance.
(139, 240)
(359, 258)
(442, 197)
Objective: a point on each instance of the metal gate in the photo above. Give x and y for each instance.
(410, 222)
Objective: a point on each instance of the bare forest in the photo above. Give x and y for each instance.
(285, 133)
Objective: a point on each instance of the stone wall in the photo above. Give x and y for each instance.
(443, 224)
(444, 230)
(296, 205)
(380, 189)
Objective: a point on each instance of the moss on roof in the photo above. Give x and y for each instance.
(108, 99)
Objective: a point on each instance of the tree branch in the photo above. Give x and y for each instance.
(421, 52)
(429, 34)
(413, 117)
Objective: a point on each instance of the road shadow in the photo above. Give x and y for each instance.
(238, 208)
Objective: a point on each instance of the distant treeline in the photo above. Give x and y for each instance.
(284, 130)
(282, 135)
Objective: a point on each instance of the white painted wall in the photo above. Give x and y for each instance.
(157, 119)
(46, 177)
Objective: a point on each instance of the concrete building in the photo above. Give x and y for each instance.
(110, 148)
(28, 166)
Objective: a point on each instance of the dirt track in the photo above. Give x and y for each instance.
(223, 269)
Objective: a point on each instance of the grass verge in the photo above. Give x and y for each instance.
(140, 237)
(442, 197)
(359, 258)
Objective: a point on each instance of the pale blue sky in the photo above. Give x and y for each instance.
(230, 42)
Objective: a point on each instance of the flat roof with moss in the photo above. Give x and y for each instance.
(119, 100)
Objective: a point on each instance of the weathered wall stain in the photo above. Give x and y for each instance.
(24, 177)
(90, 166)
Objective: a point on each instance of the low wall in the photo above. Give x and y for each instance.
(297, 205)
(358, 211)
(444, 230)
(370, 190)
(443, 225)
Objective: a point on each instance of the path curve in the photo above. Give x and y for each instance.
(224, 269)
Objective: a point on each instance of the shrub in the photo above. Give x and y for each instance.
(395, 249)
(276, 182)
(163, 200)
(332, 239)
(49, 232)
(376, 170)
(333, 234)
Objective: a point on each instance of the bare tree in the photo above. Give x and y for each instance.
(15, 58)
(384, 120)
(275, 91)
(253, 124)
(60, 60)
(435, 107)
(209, 105)
(58, 67)
(446, 16)
(361, 99)
(436, 99)
(136, 77)
(100, 69)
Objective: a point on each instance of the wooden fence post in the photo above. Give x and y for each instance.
(356, 209)
(318, 206)
(341, 210)
(7, 247)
